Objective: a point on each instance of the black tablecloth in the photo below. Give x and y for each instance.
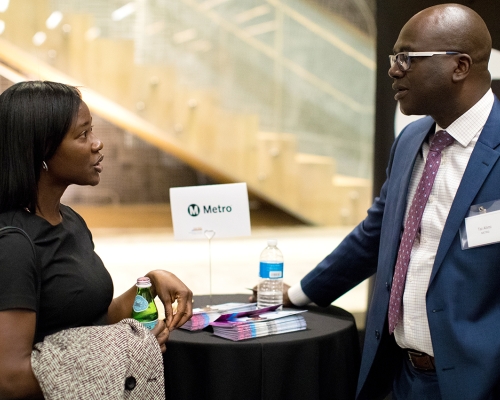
(321, 362)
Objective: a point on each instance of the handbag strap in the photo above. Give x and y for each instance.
(39, 272)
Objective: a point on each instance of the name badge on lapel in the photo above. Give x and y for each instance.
(482, 225)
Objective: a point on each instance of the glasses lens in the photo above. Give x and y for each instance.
(403, 60)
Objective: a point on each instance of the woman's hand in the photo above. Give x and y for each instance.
(162, 333)
(169, 288)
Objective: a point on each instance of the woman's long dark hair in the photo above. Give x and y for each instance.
(34, 118)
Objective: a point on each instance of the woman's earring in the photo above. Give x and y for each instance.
(44, 166)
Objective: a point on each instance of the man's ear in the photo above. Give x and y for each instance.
(462, 68)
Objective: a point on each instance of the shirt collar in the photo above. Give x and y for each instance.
(471, 123)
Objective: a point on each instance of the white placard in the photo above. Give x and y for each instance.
(222, 209)
(483, 229)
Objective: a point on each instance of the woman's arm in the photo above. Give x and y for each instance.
(121, 306)
(17, 332)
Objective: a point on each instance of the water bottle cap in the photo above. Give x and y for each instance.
(143, 281)
(272, 242)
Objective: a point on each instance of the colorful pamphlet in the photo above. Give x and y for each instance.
(257, 323)
(203, 316)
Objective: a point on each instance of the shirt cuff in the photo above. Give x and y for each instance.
(297, 295)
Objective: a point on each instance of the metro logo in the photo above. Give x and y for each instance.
(193, 210)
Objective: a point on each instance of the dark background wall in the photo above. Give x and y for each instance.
(391, 16)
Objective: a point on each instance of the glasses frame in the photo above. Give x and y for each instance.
(394, 58)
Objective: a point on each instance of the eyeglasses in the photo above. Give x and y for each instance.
(403, 59)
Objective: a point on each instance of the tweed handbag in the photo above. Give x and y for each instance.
(120, 361)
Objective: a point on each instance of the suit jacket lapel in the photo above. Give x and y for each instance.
(483, 158)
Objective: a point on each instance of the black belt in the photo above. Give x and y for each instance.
(421, 361)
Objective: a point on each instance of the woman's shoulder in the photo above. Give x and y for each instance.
(38, 228)
(18, 218)
(13, 223)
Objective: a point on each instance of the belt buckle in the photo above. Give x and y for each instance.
(419, 354)
(413, 353)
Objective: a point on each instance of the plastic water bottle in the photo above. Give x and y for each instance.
(270, 291)
(144, 309)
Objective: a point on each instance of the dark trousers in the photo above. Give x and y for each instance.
(414, 384)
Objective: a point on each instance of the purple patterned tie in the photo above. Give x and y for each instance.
(439, 142)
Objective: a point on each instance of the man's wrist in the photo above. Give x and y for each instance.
(297, 296)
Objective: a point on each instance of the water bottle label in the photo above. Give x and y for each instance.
(150, 324)
(140, 304)
(271, 270)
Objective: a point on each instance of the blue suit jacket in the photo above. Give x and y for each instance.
(463, 297)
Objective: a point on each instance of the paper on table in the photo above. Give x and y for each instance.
(259, 315)
(256, 324)
(203, 316)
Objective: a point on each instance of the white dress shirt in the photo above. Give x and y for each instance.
(412, 331)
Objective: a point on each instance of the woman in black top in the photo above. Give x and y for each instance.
(47, 144)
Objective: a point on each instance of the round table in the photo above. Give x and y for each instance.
(321, 362)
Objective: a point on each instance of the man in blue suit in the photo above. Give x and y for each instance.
(446, 340)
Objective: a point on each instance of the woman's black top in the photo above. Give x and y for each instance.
(76, 288)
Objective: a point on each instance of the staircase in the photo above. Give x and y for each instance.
(195, 125)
